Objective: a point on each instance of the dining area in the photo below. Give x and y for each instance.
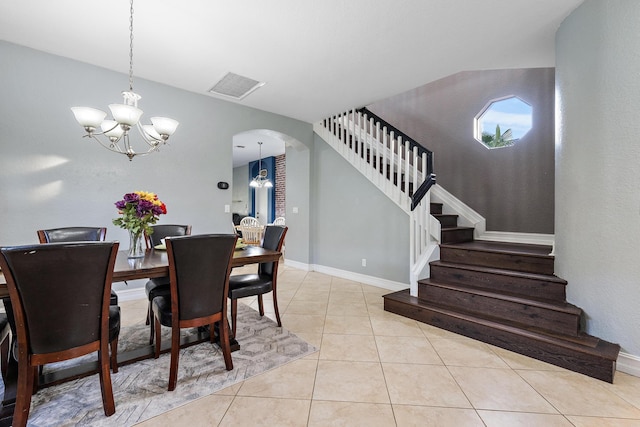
(60, 304)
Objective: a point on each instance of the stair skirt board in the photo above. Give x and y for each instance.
(596, 359)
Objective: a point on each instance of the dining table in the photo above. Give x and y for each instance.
(155, 263)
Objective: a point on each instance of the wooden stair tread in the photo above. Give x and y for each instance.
(583, 343)
(563, 307)
(504, 247)
(501, 271)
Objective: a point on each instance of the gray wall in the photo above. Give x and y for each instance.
(240, 190)
(50, 176)
(298, 211)
(352, 220)
(598, 167)
(512, 187)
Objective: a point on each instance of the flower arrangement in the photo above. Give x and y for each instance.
(139, 211)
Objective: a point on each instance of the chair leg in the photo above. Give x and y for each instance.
(225, 345)
(23, 393)
(158, 339)
(108, 403)
(37, 373)
(212, 332)
(234, 313)
(150, 322)
(114, 355)
(275, 307)
(175, 355)
(260, 305)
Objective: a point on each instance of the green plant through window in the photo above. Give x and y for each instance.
(510, 113)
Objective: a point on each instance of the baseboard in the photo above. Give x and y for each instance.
(629, 364)
(529, 238)
(361, 278)
(299, 265)
(349, 275)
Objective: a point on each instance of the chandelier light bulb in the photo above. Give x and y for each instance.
(125, 114)
(89, 118)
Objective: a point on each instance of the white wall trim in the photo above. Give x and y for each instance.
(629, 364)
(299, 265)
(361, 278)
(470, 218)
(467, 217)
(349, 275)
(530, 238)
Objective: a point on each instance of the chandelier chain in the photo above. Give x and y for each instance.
(131, 48)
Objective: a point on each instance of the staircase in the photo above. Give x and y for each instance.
(504, 294)
(500, 293)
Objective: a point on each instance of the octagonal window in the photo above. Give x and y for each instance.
(503, 122)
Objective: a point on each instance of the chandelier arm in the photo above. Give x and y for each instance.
(149, 139)
(131, 153)
(116, 148)
(111, 146)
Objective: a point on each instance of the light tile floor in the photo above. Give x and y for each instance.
(378, 369)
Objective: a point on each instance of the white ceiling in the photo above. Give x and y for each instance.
(316, 57)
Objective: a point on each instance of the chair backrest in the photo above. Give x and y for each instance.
(199, 268)
(251, 230)
(279, 221)
(273, 239)
(160, 231)
(249, 221)
(60, 293)
(72, 234)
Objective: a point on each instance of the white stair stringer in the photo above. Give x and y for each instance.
(381, 156)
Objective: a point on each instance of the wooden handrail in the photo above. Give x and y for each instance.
(421, 191)
(412, 142)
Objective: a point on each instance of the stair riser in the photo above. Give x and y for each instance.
(522, 286)
(435, 208)
(507, 311)
(456, 236)
(587, 364)
(517, 262)
(448, 220)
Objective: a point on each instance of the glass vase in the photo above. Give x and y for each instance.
(136, 245)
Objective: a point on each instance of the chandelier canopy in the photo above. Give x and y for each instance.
(114, 134)
(261, 179)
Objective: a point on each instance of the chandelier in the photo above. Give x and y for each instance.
(261, 179)
(114, 133)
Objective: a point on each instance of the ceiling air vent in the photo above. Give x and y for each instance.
(235, 86)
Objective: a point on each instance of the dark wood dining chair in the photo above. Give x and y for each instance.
(77, 276)
(72, 234)
(76, 234)
(159, 286)
(264, 281)
(199, 268)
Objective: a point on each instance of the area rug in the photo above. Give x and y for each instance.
(140, 389)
